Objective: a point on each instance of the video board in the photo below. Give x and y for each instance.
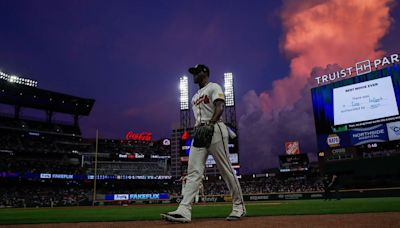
(358, 110)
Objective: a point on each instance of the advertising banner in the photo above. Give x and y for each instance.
(121, 196)
(372, 134)
(148, 196)
(393, 130)
(292, 148)
(335, 140)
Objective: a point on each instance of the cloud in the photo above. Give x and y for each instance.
(320, 36)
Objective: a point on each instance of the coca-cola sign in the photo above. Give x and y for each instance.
(144, 136)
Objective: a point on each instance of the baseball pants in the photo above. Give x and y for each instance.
(197, 159)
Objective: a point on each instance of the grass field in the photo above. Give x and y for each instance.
(152, 212)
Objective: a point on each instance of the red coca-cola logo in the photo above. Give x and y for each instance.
(144, 136)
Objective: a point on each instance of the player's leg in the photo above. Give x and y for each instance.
(196, 198)
(197, 159)
(220, 152)
(182, 190)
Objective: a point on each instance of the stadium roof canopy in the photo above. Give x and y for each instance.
(32, 97)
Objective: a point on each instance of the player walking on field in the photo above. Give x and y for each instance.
(211, 135)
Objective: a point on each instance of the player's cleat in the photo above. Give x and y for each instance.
(174, 218)
(234, 217)
(237, 212)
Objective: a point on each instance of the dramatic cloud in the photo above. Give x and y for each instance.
(317, 34)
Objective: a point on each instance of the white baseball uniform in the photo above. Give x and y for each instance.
(204, 108)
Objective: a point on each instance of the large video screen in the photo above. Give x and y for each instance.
(234, 158)
(364, 101)
(358, 110)
(357, 101)
(290, 163)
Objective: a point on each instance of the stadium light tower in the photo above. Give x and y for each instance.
(230, 110)
(229, 94)
(184, 93)
(18, 80)
(184, 101)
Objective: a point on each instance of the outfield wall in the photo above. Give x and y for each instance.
(152, 199)
(353, 193)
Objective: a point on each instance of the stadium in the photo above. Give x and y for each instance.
(50, 174)
(201, 113)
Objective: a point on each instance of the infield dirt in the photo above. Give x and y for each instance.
(387, 219)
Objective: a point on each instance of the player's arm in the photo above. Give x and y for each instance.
(219, 109)
(218, 98)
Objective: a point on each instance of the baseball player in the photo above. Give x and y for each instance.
(208, 106)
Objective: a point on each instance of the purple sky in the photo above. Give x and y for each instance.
(129, 55)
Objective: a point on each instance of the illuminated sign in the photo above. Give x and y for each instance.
(148, 196)
(166, 142)
(362, 67)
(62, 176)
(45, 175)
(81, 177)
(292, 148)
(153, 196)
(185, 147)
(121, 196)
(185, 144)
(234, 158)
(144, 136)
(160, 156)
(371, 134)
(373, 145)
(393, 130)
(333, 140)
(185, 135)
(339, 151)
(131, 156)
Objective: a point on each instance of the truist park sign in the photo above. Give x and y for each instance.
(144, 136)
(362, 67)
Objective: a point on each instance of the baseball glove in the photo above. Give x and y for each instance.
(203, 136)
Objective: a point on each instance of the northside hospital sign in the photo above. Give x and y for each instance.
(362, 67)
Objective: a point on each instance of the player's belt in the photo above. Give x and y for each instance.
(208, 122)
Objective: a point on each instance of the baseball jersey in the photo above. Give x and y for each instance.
(203, 102)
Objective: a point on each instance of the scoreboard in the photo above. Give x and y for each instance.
(293, 163)
(360, 110)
